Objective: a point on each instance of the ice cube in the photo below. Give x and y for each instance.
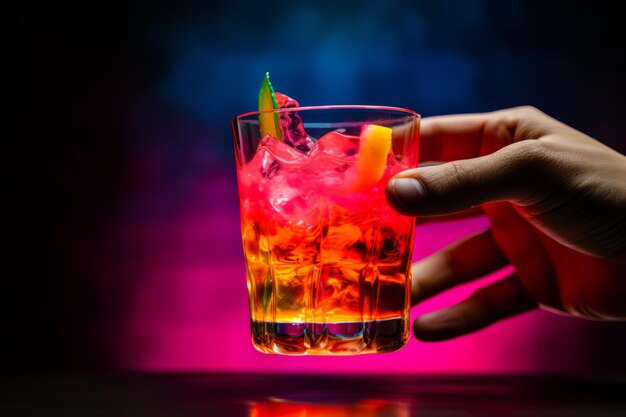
(333, 157)
(269, 166)
(393, 166)
(336, 145)
(280, 151)
(267, 161)
(291, 124)
(293, 191)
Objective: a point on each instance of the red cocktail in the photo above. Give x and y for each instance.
(328, 260)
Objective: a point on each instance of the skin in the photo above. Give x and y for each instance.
(556, 200)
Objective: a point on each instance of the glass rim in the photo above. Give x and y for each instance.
(330, 107)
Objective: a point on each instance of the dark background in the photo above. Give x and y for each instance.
(120, 108)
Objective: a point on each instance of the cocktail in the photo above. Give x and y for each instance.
(328, 260)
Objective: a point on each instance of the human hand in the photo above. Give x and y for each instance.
(556, 200)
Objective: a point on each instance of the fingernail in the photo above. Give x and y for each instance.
(440, 319)
(439, 325)
(408, 191)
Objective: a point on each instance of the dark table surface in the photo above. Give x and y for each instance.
(261, 395)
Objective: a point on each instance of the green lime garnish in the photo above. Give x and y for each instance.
(269, 123)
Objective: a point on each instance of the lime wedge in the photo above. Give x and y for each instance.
(268, 122)
(372, 157)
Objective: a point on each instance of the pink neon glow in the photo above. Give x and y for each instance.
(186, 306)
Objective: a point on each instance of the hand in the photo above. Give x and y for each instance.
(556, 200)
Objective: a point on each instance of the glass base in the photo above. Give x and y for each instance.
(347, 338)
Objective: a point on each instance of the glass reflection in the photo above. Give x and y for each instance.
(279, 407)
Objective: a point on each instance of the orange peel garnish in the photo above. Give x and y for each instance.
(372, 156)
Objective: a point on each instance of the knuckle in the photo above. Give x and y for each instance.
(457, 174)
(527, 111)
(532, 172)
(531, 155)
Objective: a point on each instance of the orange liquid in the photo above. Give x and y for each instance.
(329, 277)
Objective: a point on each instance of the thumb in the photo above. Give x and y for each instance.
(514, 173)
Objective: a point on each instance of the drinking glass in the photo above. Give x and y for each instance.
(328, 261)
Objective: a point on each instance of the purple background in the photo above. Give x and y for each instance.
(122, 220)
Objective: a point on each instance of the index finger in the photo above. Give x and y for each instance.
(464, 136)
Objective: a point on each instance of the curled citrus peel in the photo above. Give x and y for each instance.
(269, 122)
(372, 157)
